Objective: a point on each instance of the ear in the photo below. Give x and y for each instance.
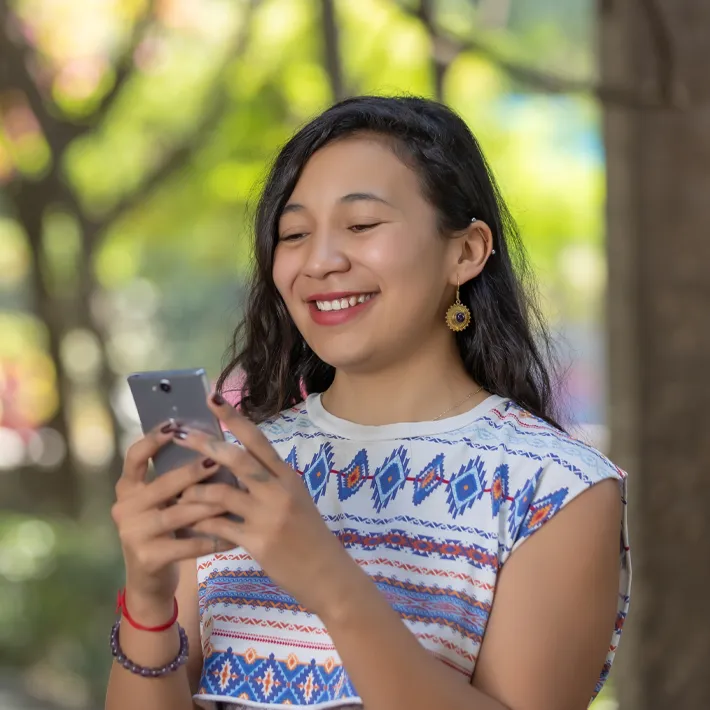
(470, 250)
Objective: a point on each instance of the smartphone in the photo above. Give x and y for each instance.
(180, 395)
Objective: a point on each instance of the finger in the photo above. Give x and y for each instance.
(136, 460)
(249, 435)
(232, 500)
(221, 528)
(239, 461)
(164, 489)
(156, 555)
(161, 521)
(172, 484)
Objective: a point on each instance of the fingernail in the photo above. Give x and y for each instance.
(208, 463)
(218, 399)
(180, 434)
(166, 428)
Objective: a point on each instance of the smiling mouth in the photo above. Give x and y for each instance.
(341, 304)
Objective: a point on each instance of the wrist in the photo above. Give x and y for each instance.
(349, 587)
(149, 610)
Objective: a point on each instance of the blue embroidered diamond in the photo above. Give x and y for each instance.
(352, 478)
(466, 487)
(430, 478)
(267, 681)
(390, 477)
(318, 470)
(292, 459)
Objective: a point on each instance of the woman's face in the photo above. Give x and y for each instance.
(360, 264)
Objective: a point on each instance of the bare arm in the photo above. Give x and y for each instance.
(172, 692)
(555, 607)
(546, 640)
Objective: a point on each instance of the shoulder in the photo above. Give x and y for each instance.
(541, 469)
(521, 437)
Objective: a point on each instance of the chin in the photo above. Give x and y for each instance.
(346, 357)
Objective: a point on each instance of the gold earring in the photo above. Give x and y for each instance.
(458, 316)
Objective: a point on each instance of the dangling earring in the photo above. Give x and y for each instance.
(458, 316)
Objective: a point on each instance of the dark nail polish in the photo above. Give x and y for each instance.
(180, 434)
(208, 463)
(166, 428)
(218, 399)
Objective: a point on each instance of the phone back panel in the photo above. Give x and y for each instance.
(181, 397)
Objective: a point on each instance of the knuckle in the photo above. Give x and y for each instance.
(143, 557)
(116, 513)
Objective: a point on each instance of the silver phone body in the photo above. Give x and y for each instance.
(180, 395)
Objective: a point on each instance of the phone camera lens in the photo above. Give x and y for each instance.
(165, 385)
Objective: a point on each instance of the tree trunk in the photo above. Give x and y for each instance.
(658, 211)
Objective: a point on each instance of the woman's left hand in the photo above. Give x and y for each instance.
(282, 529)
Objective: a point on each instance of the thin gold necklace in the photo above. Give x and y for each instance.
(458, 404)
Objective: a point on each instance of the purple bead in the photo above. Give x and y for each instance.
(129, 665)
(460, 317)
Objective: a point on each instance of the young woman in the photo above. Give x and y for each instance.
(420, 532)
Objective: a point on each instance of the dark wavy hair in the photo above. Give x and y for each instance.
(507, 348)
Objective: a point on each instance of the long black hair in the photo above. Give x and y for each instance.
(506, 349)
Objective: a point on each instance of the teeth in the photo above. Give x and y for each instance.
(343, 303)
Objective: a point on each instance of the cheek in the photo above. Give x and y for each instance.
(405, 259)
(284, 273)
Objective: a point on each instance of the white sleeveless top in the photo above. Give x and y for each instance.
(430, 510)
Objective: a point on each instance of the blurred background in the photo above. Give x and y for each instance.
(133, 137)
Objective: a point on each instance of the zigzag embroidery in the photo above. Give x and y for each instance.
(275, 641)
(224, 556)
(474, 634)
(253, 603)
(505, 420)
(549, 456)
(450, 645)
(426, 572)
(419, 545)
(281, 625)
(449, 527)
(306, 435)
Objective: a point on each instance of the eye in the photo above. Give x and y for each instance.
(359, 228)
(292, 237)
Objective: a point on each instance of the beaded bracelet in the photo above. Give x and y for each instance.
(129, 665)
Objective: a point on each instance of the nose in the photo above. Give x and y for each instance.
(325, 255)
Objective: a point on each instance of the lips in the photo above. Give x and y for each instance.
(340, 304)
(338, 308)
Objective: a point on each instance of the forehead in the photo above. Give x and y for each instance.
(354, 164)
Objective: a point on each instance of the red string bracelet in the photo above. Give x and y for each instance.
(121, 606)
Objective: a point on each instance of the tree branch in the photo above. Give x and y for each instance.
(125, 66)
(183, 153)
(440, 62)
(15, 74)
(448, 48)
(331, 47)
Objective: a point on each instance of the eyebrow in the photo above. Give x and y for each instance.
(345, 199)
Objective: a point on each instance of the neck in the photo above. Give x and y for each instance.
(427, 384)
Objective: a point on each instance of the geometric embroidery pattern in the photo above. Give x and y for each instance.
(292, 459)
(282, 681)
(499, 488)
(541, 511)
(316, 474)
(431, 476)
(352, 478)
(390, 478)
(466, 487)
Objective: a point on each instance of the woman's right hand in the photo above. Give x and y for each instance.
(147, 520)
